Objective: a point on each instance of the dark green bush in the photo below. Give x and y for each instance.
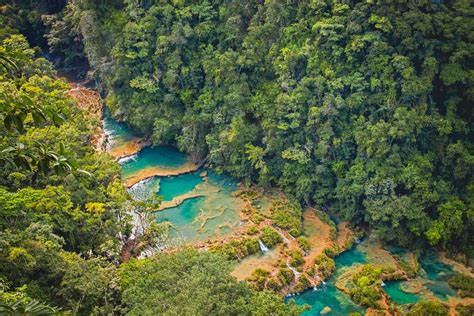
(464, 284)
(270, 236)
(428, 308)
(465, 310)
(296, 258)
(304, 244)
(366, 290)
(326, 265)
(285, 276)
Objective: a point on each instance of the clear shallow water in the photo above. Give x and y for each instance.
(394, 291)
(434, 274)
(117, 132)
(171, 187)
(145, 189)
(437, 274)
(195, 219)
(328, 295)
(160, 156)
(225, 182)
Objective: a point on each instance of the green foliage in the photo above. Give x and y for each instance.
(303, 284)
(257, 218)
(366, 290)
(297, 258)
(174, 283)
(31, 99)
(304, 244)
(332, 251)
(32, 308)
(285, 276)
(465, 310)
(238, 248)
(287, 215)
(58, 231)
(464, 284)
(252, 230)
(259, 278)
(17, 302)
(325, 265)
(270, 236)
(428, 308)
(362, 106)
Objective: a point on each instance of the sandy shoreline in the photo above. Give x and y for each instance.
(178, 200)
(159, 172)
(130, 148)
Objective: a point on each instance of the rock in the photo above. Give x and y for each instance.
(203, 174)
(326, 310)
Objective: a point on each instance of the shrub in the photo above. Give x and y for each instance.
(251, 245)
(273, 285)
(296, 258)
(227, 251)
(332, 252)
(428, 308)
(256, 218)
(285, 276)
(465, 310)
(366, 290)
(259, 278)
(326, 265)
(287, 216)
(252, 230)
(463, 283)
(304, 244)
(270, 236)
(303, 284)
(239, 248)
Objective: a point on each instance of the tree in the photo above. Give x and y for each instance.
(174, 283)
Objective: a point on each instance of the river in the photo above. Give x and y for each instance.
(201, 206)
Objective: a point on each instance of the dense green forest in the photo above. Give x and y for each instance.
(64, 212)
(358, 106)
(364, 108)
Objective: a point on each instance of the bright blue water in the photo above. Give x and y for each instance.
(181, 216)
(160, 156)
(171, 187)
(438, 275)
(394, 291)
(194, 219)
(223, 180)
(117, 132)
(339, 302)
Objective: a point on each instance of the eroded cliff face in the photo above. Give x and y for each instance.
(90, 102)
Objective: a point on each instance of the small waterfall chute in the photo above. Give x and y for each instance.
(295, 272)
(263, 248)
(126, 159)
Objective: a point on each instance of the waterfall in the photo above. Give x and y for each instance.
(127, 159)
(295, 272)
(145, 189)
(263, 248)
